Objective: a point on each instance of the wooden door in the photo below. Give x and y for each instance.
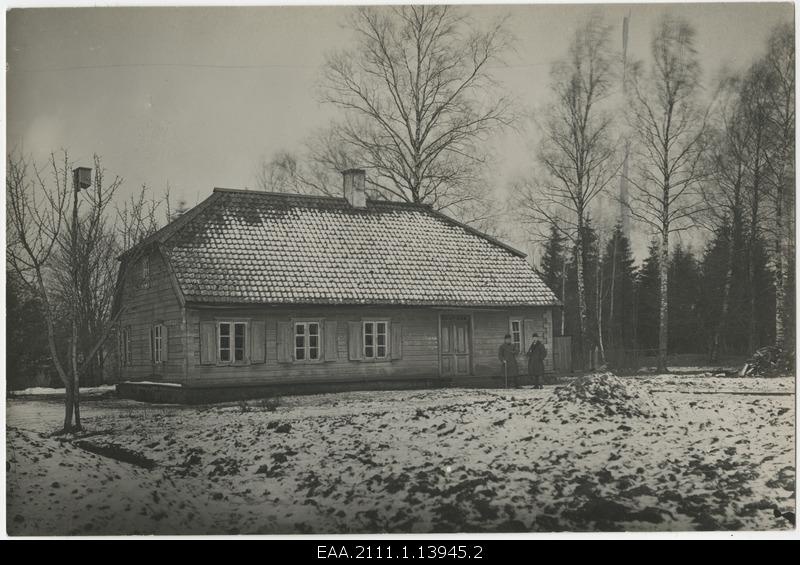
(562, 354)
(455, 346)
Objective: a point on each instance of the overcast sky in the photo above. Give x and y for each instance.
(197, 96)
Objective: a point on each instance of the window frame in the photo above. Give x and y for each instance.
(517, 343)
(320, 347)
(387, 340)
(144, 281)
(158, 346)
(233, 323)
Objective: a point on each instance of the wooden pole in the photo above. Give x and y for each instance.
(75, 310)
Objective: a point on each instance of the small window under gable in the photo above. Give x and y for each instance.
(144, 274)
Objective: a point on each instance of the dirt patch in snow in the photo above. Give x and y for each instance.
(596, 454)
(116, 452)
(610, 396)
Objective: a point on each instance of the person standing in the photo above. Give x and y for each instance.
(508, 358)
(536, 355)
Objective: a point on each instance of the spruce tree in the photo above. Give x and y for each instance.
(551, 266)
(684, 290)
(647, 300)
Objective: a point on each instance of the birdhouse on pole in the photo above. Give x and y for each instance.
(82, 178)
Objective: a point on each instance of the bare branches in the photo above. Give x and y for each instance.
(671, 136)
(35, 215)
(136, 218)
(577, 158)
(671, 131)
(36, 212)
(71, 264)
(417, 96)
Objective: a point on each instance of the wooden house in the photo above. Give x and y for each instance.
(250, 292)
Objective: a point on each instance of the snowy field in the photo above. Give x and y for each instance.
(662, 452)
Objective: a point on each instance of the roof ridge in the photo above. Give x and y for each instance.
(318, 197)
(273, 193)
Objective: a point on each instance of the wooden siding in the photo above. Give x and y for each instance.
(144, 307)
(419, 343)
(490, 326)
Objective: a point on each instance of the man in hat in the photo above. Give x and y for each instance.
(508, 357)
(536, 354)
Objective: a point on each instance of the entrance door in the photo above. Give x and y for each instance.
(455, 346)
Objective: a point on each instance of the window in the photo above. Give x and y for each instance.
(158, 343)
(306, 341)
(516, 334)
(232, 342)
(145, 280)
(375, 340)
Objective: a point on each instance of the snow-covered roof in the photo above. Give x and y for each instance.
(242, 246)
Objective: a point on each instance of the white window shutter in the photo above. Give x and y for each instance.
(329, 337)
(285, 342)
(208, 343)
(164, 344)
(258, 341)
(354, 341)
(397, 340)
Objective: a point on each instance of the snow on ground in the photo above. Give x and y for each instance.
(47, 391)
(655, 453)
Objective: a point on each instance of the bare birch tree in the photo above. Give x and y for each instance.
(418, 98)
(577, 158)
(669, 129)
(779, 64)
(755, 104)
(725, 194)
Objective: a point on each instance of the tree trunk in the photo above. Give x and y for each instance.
(599, 307)
(780, 275)
(752, 333)
(563, 297)
(752, 337)
(582, 312)
(663, 322)
(76, 383)
(69, 405)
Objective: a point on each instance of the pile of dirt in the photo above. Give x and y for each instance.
(609, 395)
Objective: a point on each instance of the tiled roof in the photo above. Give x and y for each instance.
(258, 247)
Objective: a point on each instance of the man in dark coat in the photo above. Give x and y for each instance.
(508, 359)
(536, 355)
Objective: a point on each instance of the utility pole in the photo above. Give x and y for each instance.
(624, 212)
(81, 178)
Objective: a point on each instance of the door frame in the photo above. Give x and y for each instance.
(470, 332)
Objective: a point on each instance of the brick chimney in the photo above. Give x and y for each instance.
(354, 189)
